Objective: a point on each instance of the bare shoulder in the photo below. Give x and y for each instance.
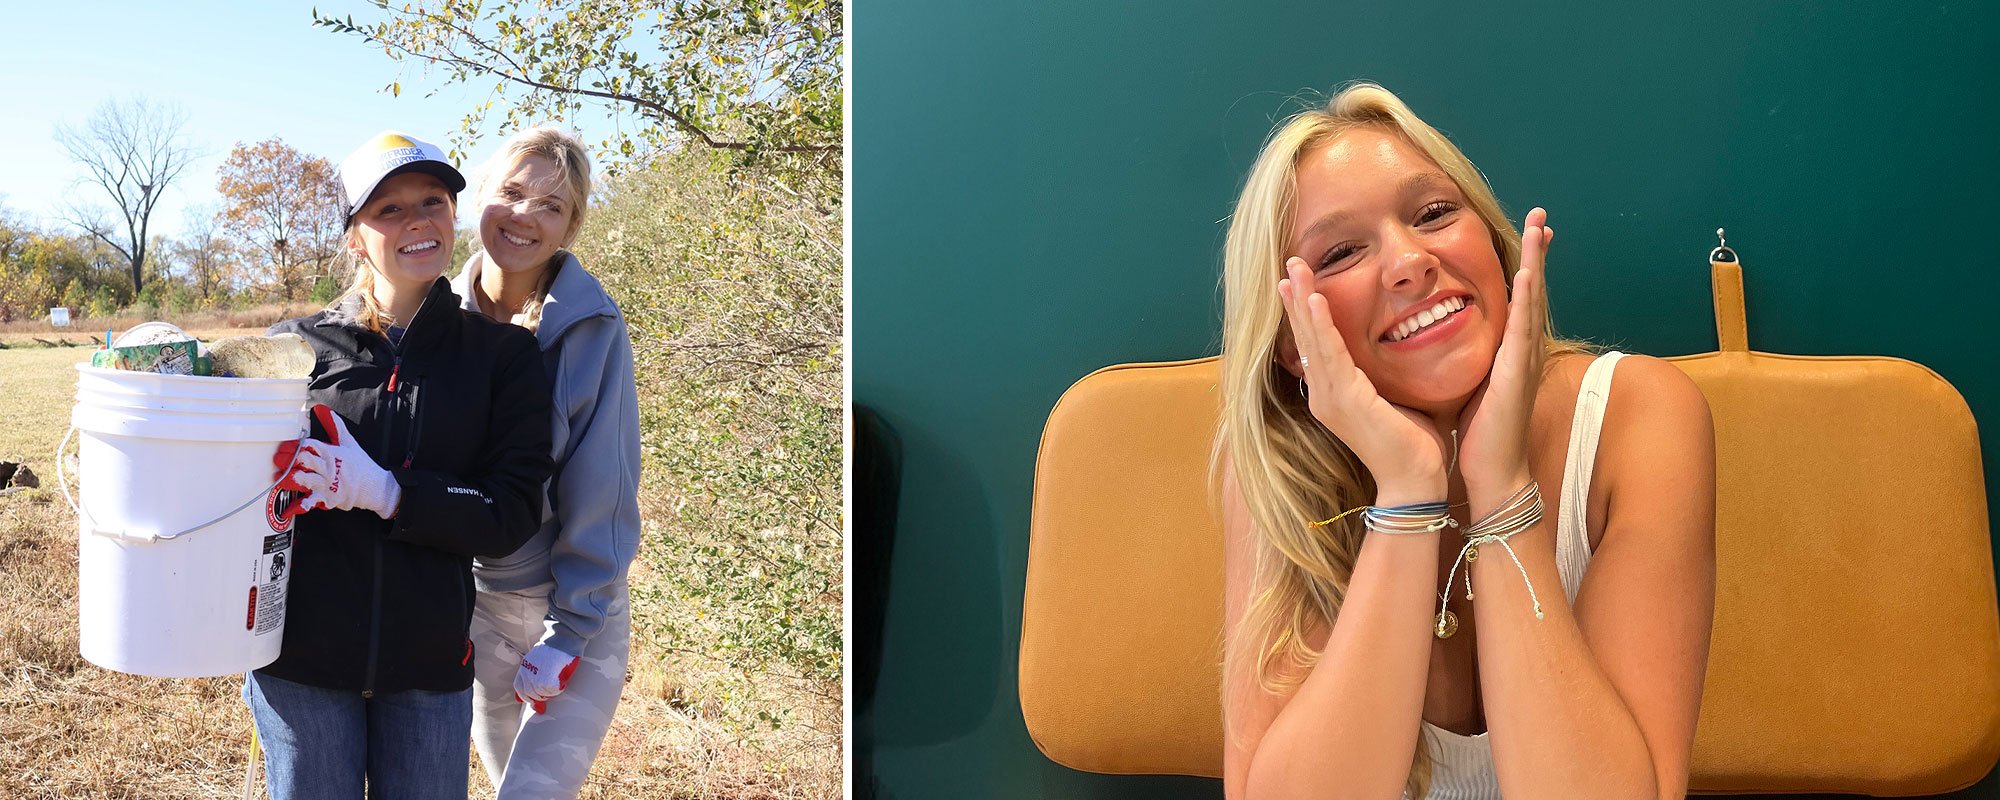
(1652, 397)
(1657, 429)
(1646, 393)
(1655, 556)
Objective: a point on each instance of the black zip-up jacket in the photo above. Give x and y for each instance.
(459, 414)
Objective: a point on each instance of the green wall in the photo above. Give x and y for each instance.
(1039, 189)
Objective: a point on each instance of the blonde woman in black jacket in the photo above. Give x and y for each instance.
(430, 446)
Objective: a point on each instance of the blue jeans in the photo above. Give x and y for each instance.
(321, 744)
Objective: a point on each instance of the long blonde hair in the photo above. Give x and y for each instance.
(572, 161)
(1288, 466)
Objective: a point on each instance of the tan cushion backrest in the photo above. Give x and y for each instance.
(1857, 642)
(1857, 635)
(1121, 635)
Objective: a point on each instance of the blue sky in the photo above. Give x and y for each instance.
(242, 71)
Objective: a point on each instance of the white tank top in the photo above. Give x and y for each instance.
(1464, 765)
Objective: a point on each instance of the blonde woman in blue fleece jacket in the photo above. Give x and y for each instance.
(552, 627)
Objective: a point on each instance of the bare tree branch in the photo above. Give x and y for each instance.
(91, 222)
(132, 150)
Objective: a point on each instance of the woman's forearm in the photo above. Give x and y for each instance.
(1351, 729)
(1559, 728)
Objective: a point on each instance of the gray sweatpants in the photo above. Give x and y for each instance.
(534, 756)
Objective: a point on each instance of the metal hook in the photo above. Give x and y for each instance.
(1721, 251)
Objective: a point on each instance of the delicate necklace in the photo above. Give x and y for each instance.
(1447, 622)
(1454, 468)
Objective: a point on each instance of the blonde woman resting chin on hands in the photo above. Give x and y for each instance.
(1386, 347)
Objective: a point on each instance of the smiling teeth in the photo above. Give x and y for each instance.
(516, 240)
(418, 247)
(1424, 318)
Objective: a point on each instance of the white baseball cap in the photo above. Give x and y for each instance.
(391, 153)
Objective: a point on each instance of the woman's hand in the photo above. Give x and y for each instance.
(339, 474)
(1493, 451)
(1400, 447)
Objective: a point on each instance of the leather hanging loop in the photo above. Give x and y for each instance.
(1732, 328)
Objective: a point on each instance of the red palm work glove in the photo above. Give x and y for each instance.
(285, 469)
(339, 474)
(544, 674)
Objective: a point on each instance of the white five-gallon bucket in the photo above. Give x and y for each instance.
(183, 561)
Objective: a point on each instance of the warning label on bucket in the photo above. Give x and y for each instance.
(274, 506)
(269, 594)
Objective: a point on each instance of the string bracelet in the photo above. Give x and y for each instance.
(1521, 511)
(1413, 518)
(1336, 518)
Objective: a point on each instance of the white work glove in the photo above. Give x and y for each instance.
(544, 674)
(339, 474)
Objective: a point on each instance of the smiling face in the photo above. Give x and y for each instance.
(1408, 270)
(404, 231)
(527, 215)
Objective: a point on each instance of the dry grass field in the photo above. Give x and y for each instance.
(69, 729)
(206, 325)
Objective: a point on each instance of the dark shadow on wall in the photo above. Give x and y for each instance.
(878, 467)
(927, 667)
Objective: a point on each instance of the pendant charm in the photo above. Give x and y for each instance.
(1471, 555)
(1447, 624)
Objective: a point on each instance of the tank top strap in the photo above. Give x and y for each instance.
(1572, 530)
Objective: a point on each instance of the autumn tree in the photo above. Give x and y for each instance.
(285, 206)
(132, 150)
(26, 284)
(205, 255)
(14, 231)
(752, 77)
(40, 265)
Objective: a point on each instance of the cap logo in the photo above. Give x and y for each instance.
(397, 158)
(388, 151)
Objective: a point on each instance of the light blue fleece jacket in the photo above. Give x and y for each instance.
(590, 522)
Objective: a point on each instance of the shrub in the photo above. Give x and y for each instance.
(731, 281)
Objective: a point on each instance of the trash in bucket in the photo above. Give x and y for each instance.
(286, 355)
(171, 358)
(164, 348)
(183, 562)
(155, 332)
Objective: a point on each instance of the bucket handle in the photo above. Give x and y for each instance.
(149, 536)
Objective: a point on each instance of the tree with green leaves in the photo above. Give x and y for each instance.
(755, 78)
